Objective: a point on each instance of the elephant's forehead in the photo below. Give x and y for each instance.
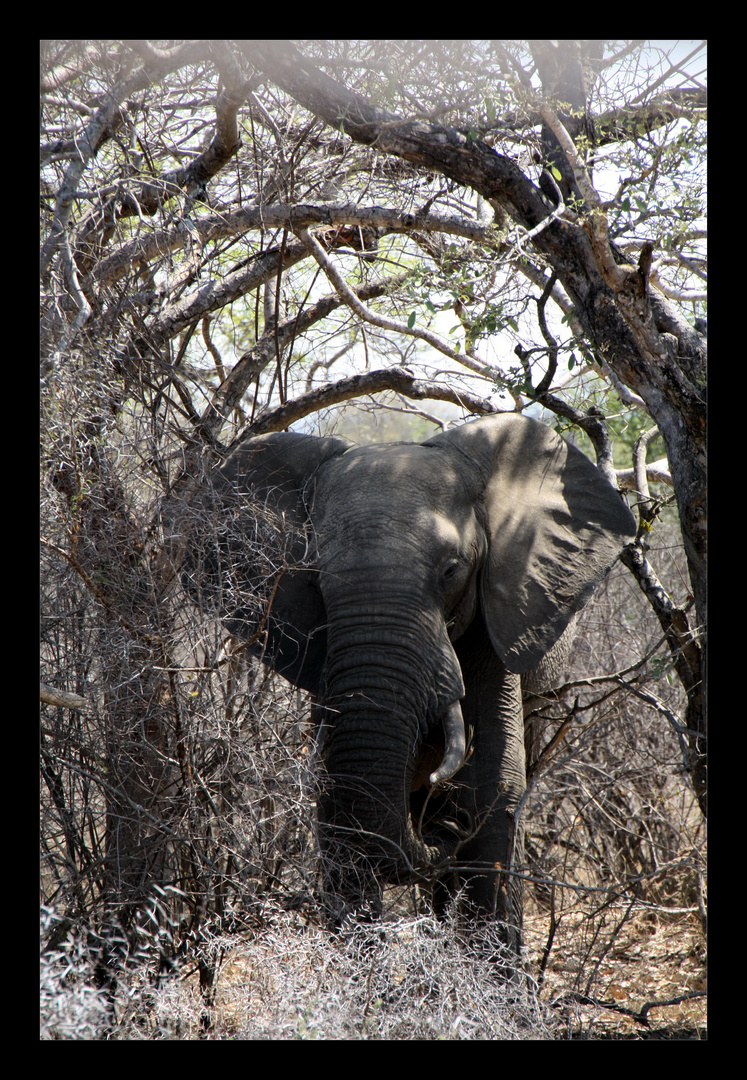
(409, 484)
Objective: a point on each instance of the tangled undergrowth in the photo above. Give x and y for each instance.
(406, 978)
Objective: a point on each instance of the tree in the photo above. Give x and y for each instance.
(488, 224)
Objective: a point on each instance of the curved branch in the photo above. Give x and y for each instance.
(398, 379)
(458, 156)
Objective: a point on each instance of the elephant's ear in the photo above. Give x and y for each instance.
(555, 526)
(250, 557)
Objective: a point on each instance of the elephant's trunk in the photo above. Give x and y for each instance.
(383, 696)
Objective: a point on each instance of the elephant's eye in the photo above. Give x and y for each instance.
(450, 572)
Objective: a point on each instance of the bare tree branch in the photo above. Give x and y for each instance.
(657, 472)
(399, 379)
(379, 320)
(62, 698)
(282, 216)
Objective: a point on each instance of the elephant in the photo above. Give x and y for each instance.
(414, 589)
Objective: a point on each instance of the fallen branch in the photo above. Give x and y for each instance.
(641, 1016)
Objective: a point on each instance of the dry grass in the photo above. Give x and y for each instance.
(406, 978)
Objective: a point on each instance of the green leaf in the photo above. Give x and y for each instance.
(411, 320)
(556, 173)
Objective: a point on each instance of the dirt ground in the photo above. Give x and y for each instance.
(616, 976)
(648, 960)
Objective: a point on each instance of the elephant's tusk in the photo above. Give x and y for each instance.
(456, 745)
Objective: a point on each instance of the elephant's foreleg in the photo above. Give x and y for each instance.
(491, 785)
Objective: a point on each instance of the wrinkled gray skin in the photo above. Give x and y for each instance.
(438, 575)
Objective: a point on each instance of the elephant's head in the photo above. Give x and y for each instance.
(417, 583)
